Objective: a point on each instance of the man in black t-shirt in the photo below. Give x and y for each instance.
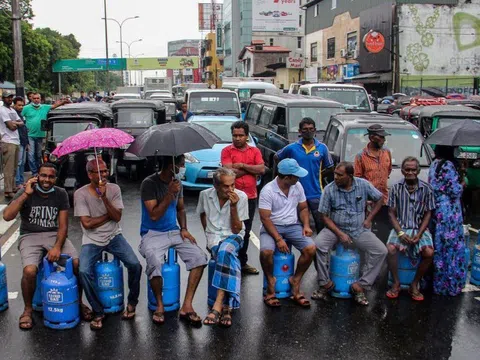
(43, 209)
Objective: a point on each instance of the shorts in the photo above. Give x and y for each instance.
(33, 247)
(292, 234)
(155, 244)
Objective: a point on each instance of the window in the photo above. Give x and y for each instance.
(331, 48)
(315, 10)
(334, 4)
(332, 136)
(313, 52)
(271, 41)
(299, 42)
(266, 115)
(300, 21)
(351, 43)
(253, 112)
(280, 117)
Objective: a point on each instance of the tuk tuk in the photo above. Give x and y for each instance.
(68, 120)
(432, 118)
(170, 109)
(135, 117)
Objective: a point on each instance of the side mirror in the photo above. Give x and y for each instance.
(43, 125)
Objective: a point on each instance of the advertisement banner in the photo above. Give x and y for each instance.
(172, 62)
(79, 65)
(208, 19)
(295, 62)
(275, 15)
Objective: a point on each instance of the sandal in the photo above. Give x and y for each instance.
(301, 301)
(359, 297)
(127, 314)
(87, 314)
(26, 321)
(249, 270)
(226, 320)
(159, 317)
(393, 293)
(191, 318)
(209, 321)
(415, 294)
(322, 292)
(97, 322)
(272, 302)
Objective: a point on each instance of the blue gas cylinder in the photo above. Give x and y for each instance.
(171, 284)
(407, 268)
(109, 284)
(475, 274)
(60, 295)
(344, 270)
(468, 249)
(283, 269)
(3, 287)
(212, 291)
(37, 302)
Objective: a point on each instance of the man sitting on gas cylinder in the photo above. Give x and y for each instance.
(222, 210)
(410, 203)
(99, 206)
(43, 209)
(281, 200)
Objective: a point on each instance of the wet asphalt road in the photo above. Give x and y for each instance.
(438, 328)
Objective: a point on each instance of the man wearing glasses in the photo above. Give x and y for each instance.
(313, 156)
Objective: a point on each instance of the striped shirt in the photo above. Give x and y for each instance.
(346, 208)
(375, 169)
(219, 224)
(411, 207)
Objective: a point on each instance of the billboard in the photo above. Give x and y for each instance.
(172, 62)
(79, 65)
(206, 20)
(275, 15)
(182, 47)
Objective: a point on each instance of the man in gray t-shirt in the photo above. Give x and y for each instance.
(99, 206)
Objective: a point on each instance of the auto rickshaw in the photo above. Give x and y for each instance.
(68, 120)
(170, 109)
(135, 117)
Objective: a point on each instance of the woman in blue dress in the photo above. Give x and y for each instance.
(449, 261)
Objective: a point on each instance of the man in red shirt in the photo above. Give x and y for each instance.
(247, 162)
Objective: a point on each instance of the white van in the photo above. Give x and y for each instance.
(353, 97)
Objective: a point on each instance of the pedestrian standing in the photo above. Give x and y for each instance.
(33, 114)
(410, 203)
(18, 104)
(82, 97)
(9, 123)
(314, 156)
(99, 206)
(29, 97)
(449, 261)
(343, 209)
(374, 163)
(247, 163)
(183, 115)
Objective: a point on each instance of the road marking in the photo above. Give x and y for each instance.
(470, 288)
(477, 298)
(12, 295)
(255, 240)
(11, 240)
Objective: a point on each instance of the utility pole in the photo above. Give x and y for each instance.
(18, 49)
(107, 77)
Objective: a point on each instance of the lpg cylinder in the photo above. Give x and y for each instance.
(344, 270)
(475, 274)
(212, 291)
(171, 284)
(3, 287)
(283, 269)
(468, 251)
(407, 268)
(109, 284)
(60, 295)
(37, 302)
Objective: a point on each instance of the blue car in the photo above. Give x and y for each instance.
(201, 164)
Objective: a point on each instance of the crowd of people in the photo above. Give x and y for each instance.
(424, 220)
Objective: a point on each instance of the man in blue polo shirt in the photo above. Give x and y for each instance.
(313, 156)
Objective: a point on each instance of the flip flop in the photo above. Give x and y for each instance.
(272, 302)
(209, 321)
(161, 317)
(359, 297)
(301, 301)
(322, 292)
(127, 314)
(191, 318)
(393, 293)
(97, 323)
(416, 296)
(26, 324)
(226, 320)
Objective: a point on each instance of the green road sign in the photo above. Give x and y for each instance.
(77, 65)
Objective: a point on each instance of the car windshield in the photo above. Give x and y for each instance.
(217, 102)
(142, 118)
(63, 130)
(402, 143)
(444, 122)
(221, 128)
(179, 91)
(351, 98)
(320, 115)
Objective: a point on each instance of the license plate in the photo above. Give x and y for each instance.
(125, 147)
(210, 175)
(468, 155)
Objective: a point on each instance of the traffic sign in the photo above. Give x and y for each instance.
(78, 65)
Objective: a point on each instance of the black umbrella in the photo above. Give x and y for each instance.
(433, 92)
(173, 139)
(461, 133)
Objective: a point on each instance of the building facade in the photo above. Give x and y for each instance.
(212, 62)
(184, 47)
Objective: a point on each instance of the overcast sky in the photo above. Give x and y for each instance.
(160, 21)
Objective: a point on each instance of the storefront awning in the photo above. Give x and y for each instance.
(370, 78)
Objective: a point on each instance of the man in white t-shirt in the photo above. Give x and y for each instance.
(9, 122)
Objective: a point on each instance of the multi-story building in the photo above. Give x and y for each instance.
(231, 36)
(212, 61)
(184, 47)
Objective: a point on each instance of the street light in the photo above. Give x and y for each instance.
(120, 25)
(129, 44)
(141, 72)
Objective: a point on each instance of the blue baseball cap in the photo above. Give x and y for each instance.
(291, 167)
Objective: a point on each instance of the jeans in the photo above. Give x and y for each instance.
(35, 154)
(22, 157)
(242, 254)
(120, 248)
(313, 205)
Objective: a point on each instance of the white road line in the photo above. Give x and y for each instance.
(12, 295)
(477, 298)
(255, 240)
(11, 240)
(470, 288)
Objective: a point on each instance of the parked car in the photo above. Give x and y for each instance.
(201, 164)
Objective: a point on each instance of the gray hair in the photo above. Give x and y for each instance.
(223, 171)
(411, 159)
(92, 164)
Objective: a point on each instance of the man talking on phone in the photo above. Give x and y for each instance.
(43, 209)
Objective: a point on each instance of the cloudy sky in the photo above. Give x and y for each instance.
(160, 21)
